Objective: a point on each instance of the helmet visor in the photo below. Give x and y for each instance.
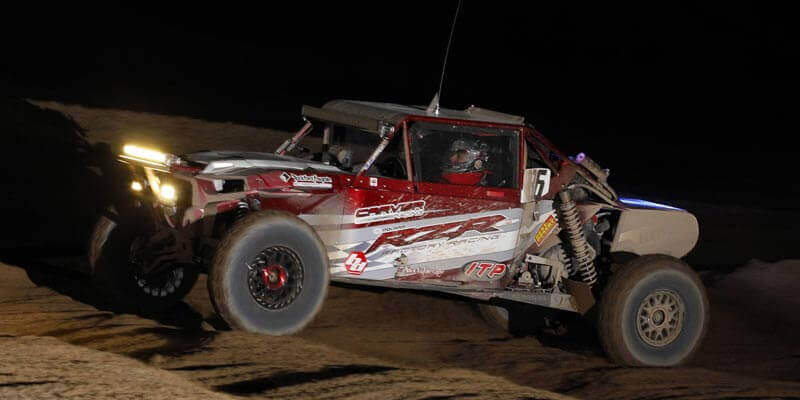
(463, 156)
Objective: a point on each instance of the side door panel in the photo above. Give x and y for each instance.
(461, 230)
(408, 235)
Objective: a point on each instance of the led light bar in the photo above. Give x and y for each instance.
(141, 153)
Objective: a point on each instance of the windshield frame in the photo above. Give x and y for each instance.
(519, 133)
(388, 132)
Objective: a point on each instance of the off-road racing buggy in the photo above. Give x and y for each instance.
(473, 203)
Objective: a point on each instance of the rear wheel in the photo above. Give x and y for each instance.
(654, 312)
(270, 274)
(116, 258)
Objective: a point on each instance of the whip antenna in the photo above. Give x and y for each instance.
(434, 106)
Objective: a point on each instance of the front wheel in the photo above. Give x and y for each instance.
(270, 274)
(654, 312)
(114, 257)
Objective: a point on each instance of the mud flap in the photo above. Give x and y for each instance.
(582, 297)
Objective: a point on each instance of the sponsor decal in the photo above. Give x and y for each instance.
(373, 181)
(401, 261)
(485, 270)
(355, 263)
(387, 212)
(446, 231)
(389, 228)
(545, 230)
(425, 273)
(307, 181)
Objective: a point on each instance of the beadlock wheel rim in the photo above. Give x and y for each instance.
(660, 317)
(275, 277)
(163, 285)
(157, 285)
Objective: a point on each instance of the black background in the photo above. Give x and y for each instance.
(681, 101)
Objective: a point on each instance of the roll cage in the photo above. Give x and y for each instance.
(389, 120)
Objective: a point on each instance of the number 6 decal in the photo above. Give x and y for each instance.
(541, 181)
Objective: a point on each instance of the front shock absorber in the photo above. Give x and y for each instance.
(241, 211)
(579, 249)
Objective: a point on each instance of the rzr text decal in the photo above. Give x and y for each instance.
(447, 231)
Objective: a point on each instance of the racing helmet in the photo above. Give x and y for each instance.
(466, 162)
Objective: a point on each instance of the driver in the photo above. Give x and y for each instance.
(466, 162)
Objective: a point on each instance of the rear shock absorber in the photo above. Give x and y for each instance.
(579, 249)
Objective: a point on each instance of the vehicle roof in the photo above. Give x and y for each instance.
(370, 115)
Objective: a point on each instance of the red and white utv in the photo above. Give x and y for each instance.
(473, 203)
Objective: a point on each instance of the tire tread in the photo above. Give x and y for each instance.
(623, 280)
(239, 230)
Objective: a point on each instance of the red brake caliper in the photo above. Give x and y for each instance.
(274, 276)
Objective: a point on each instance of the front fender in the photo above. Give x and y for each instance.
(656, 231)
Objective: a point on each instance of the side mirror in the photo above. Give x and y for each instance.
(535, 184)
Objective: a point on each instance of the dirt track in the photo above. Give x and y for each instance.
(368, 344)
(184, 343)
(405, 345)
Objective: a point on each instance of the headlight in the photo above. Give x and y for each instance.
(136, 186)
(168, 194)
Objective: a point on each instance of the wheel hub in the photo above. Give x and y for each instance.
(660, 318)
(275, 277)
(657, 318)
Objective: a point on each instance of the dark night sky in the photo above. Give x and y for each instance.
(708, 89)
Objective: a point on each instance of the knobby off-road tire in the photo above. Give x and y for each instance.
(115, 275)
(654, 312)
(259, 247)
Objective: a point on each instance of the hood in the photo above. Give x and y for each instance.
(235, 162)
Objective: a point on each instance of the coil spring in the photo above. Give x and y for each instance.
(581, 254)
(566, 260)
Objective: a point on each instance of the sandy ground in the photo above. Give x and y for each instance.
(47, 368)
(183, 346)
(364, 344)
(381, 344)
